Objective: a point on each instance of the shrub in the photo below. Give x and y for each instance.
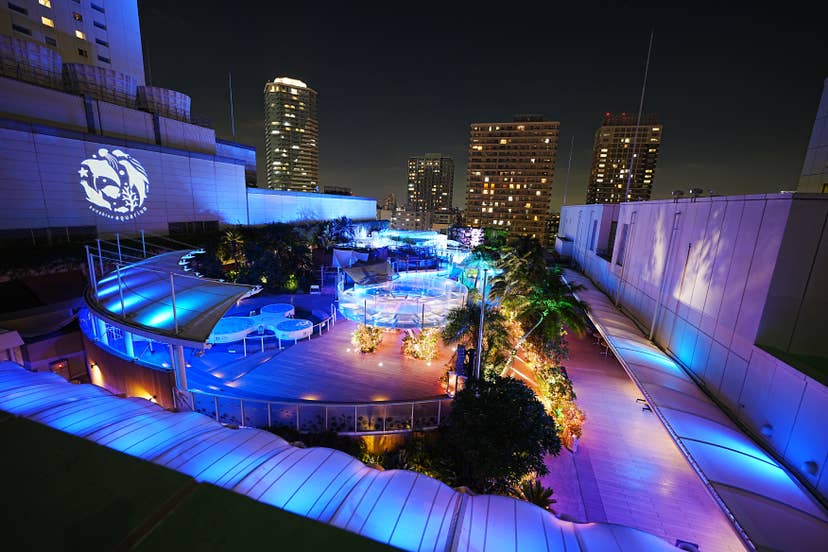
(423, 345)
(366, 338)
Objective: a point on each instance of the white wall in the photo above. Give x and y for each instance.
(23, 101)
(27, 102)
(736, 271)
(815, 167)
(40, 184)
(279, 206)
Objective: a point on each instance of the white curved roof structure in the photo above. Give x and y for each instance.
(401, 508)
(769, 505)
(141, 297)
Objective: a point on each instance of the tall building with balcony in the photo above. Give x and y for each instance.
(431, 185)
(55, 32)
(618, 142)
(510, 175)
(291, 136)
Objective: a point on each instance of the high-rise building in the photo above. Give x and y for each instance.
(619, 141)
(55, 33)
(430, 183)
(291, 136)
(510, 175)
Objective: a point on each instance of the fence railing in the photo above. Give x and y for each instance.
(342, 418)
(259, 343)
(47, 78)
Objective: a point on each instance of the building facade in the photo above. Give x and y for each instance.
(98, 33)
(624, 155)
(430, 183)
(291, 136)
(814, 177)
(510, 175)
(733, 288)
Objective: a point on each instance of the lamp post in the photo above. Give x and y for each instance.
(478, 354)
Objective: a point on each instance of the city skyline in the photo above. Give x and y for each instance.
(738, 97)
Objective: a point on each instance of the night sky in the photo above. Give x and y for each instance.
(736, 91)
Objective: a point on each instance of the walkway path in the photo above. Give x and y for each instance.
(760, 498)
(627, 469)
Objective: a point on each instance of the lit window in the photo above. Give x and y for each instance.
(46, 21)
(537, 193)
(80, 34)
(47, 3)
(76, 16)
(504, 141)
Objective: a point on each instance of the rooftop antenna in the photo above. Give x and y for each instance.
(149, 65)
(638, 121)
(232, 115)
(568, 167)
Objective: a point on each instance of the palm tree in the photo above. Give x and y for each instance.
(231, 247)
(463, 324)
(531, 490)
(546, 309)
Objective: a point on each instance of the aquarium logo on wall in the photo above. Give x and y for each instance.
(116, 185)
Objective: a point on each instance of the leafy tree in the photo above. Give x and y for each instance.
(496, 434)
(341, 230)
(532, 490)
(462, 326)
(555, 391)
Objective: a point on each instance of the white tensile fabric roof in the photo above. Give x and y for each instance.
(401, 508)
(141, 296)
(775, 511)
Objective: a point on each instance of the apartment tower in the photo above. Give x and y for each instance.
(291, 136)
(619, 141)
(431, 185)
(510, 174)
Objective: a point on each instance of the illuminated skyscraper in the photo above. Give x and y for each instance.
(43, 35)
(617, 142)
(431, 184)
(291, 134)
(510, 175)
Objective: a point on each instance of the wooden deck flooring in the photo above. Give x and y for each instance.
(327, 368)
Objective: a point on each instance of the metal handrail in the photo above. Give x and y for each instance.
(353, 423)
